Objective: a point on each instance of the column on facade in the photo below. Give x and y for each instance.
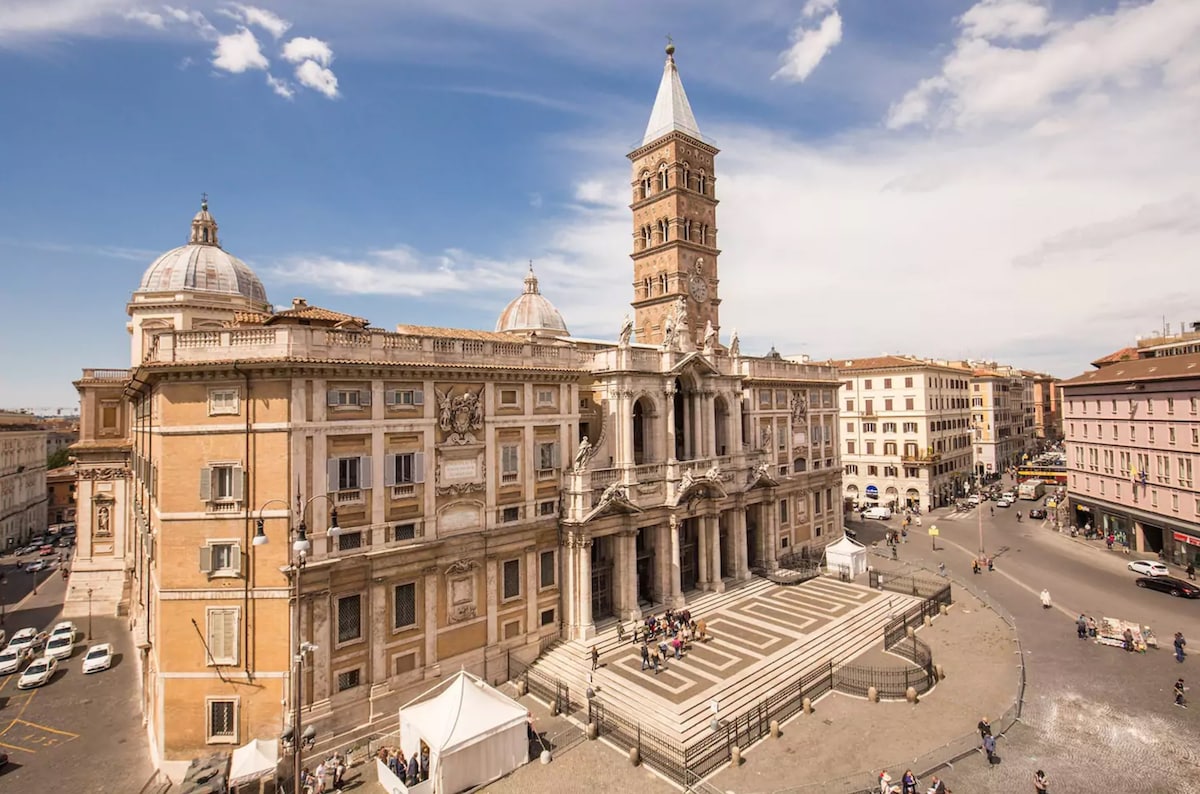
(697, 426)
(378, 633)
(669, 397)
(532, 583)
(570, 588)
(624, 435)
(714, 545)
(689, 436)
(493, 626)
(430, 624)
(735, 424)
(675, 598)
(583, 552)
(737, 525)
(322, 637)
(770, 522)
(710, 418)
(704, 541)
(625, 574)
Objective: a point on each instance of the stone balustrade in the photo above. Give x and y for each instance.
(106, 374)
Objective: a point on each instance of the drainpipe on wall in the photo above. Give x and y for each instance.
(246, 529)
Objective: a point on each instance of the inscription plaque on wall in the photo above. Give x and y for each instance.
(455, 470)
(460, 517)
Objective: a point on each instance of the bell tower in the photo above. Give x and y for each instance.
(674, 218)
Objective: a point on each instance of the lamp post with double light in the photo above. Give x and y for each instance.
(300, 548)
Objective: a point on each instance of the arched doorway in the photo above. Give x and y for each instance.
(643, 413)
(721, 425)
(852, 493)
(912, 499)
(891, 497)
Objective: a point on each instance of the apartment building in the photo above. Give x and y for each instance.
(1133, 445)
(60, 492)
(1001, 428)
(22, 478)
(905, 431)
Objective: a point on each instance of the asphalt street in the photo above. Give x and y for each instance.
(1096, 717)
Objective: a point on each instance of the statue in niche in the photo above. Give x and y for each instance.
(799, 407)
(103, 527)
(710, 338)
(626, 332)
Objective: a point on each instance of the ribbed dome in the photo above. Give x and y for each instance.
(202, 266)
(530, 311)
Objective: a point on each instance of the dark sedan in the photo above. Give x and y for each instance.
(1169, 584)
(1037, 512)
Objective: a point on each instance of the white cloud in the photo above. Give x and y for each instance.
(30, 19)
(257, 17)
(986, 79)
(306, 48)
(815, 8)
(809, 46)
(592, 191)
(239, 52)
(194, 18)
(402, 270)
(318, 78)
(148, 18)
(280, 87)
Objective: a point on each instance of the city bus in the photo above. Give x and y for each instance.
(1051, 475)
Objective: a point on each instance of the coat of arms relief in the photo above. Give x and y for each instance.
(460, 415)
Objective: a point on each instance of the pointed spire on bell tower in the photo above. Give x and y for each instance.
(531, 282)
(204, 226)
(672, 111)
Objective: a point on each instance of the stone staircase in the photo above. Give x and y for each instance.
(840, 640)
(109, 588)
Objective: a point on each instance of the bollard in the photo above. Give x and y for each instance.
(735, 757)
(806, 704)
(939, 672)
(910, 694)
(872, 694)
(774, 727)
(545, 757)
(522, 689)
(635, 757)
(943, 609)
(928, 621)
(910, 632)
(554, 710)
(592, 733)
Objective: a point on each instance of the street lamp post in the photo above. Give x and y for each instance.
(299, 558)
(89, 614)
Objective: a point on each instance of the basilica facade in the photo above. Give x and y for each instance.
(464, 493)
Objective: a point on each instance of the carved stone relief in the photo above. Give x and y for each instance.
(459, 415)
(115, 473)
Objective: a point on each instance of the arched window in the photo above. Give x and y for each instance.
(703, 238)
(662, 283)
(702, 183)
(663, 179)
(687, 177)
(647, 237)
(664, 230)
(645, 184)
(646, 282)
(686, 229)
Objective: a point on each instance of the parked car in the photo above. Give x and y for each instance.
(38, 673)
(98, 657)
(27, 638)
(881, 513)
(1037, 512)
(35, 566)
(1149, 568)
(1169, 584)
(60, 646)
(12, 660)
(973, 499)
(64, 627)
(47, 551)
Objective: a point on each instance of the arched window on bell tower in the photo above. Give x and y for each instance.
(664, 230)
(662, 283)
(646, 285)
(647, 237)
(687, 177)
(664, 181)
(702, 184)
(646, 184)
(686, 230)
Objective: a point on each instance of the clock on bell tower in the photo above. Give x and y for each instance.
(674, 217)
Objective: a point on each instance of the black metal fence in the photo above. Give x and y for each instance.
(794, 569)
(909, 584)
(897, 628)
(546, 688)
(662, 753)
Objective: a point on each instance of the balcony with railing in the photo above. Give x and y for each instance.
(118, 375)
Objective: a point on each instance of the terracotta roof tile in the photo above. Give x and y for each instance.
(882, 362)
(1141, 369)
(1124, 354)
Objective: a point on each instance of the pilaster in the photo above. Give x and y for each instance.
(669, 398)
(378, 641)
(493, 627)
(714, 543)
(740, 547)
(432, 668)
(322, 637)
(676, 595)
(770, 509)
(531, 593)
(703, 576)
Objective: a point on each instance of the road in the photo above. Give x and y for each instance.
(77, 733)
(1095, 717)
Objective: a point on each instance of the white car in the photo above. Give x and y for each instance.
(38, 673)
(11, 660)
(881, 513)
(65, 627)
(26, 638)
(1003, 502)
(973, 499)
(1149, 568)
(98, 657)
(60, 646)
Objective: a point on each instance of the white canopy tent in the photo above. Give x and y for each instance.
(255, 759)
(847, 555)
(475, 733)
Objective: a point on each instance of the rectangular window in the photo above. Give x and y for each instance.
(1150, 432)
(1170, 435)
(872, 470)
(849, 385)
(405, 397)
(510, 463)
(509, 398)
(850, 447)
(547, 398)
(222, 721)
(512, 579)
(764, 398)
(349, 473)
(349, 540)
(868, 427)
(221, 558)
(404, 532)
(783, 511)
(889, 427)
(870, 447)
(910, 427)
(510, 514)
(222, 402)
(547, 570)
(887, 383)
(404, 468)
(221, 483)
(547, 617)
(222, 635)
(349, 618)
(348, 398)
(348, 679)
(868, 407)
(908, 383)
(849, 405)
(404, 606)
(548, 456)
(887, 404)
(867, 384)
(849, 427)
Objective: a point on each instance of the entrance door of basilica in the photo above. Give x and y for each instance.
(602, 606)
(689, 556)
(645, 577)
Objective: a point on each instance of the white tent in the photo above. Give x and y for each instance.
(846, 555)
(475, 733)
(256, 759)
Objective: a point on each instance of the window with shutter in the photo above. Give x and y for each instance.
(389, 470)
(418, 467)
(364, 396)
(364, 472)
(206, 561)
(223, 635)
(206, 478)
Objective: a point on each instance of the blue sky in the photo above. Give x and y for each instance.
(1006, 179)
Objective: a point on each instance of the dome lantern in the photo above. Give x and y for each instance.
(532, 312)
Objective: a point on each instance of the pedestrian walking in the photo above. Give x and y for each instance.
(974, 566)
(1081, 627)
(645, 656)
(1179, 689)
(985, 728)
(1179, 643)
(941, 569)
(1041, 783)
(1190, 570)
(595, 657)
(989, 747)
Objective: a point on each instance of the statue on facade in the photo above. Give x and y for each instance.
(735, 344)
(799, 407)
(669, 332)
(459, 415)
(626, 332)
(710, 338)
(584, 454)
(103, 528)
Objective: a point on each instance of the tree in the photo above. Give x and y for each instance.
(59, 459)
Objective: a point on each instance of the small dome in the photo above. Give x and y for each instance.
(202, 266)
(530, 311)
